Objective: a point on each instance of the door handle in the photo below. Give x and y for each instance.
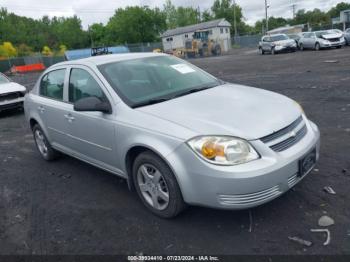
(41, 109)
(69, 117)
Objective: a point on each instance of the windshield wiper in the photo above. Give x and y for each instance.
(194, 90)
(150, 102)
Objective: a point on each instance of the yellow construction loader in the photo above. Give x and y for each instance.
(201, 45)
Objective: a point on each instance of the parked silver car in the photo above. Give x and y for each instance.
(321, 39)
(277, 43)
(11, 94)
(176, 133)
(347, 36)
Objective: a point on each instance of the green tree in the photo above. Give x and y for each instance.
(97, 33)
(206, 16)
(24, 50)
(136, 24)
(226, 9)
(180, 16)
(335, 11)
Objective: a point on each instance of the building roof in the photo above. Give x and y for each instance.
(83, 53)
(192, 28)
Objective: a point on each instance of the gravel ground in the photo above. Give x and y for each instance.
(69, 207)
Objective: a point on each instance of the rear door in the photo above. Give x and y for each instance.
(51, 106)
(92, 133)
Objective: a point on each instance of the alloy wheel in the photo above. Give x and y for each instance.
(41, 143)
(153, 186)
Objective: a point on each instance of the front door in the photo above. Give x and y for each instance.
(93, 133)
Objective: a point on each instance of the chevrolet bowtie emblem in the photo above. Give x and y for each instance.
(292, 134)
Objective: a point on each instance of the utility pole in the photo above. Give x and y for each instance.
(294, 8)
(91, 41)
(234, 18)
(267, 21)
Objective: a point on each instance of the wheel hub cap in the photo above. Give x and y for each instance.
(153, 186)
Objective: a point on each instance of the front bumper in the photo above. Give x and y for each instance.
(242, 186)
(11, 104)
(331, 44)
(280, 49)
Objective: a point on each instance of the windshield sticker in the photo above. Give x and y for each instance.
(183, 68)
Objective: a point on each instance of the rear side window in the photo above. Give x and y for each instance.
(82, 85)
(52, 84)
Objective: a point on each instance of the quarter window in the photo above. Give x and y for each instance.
(52, 84)
(82, 85)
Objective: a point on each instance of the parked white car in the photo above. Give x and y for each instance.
(11, 94)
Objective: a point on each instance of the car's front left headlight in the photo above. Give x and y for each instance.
(223, 150)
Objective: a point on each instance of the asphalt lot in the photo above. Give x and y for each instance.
(69, 207)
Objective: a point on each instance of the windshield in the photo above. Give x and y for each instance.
(279, 38)
(3, 79)
(155, 79)
(321, 33)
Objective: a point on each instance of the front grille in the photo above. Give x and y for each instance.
(334, 40)
(286, 137)
(10, 96)
(250, 199)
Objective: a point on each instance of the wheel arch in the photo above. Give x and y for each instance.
(131, 155)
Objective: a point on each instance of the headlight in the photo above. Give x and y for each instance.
(223, 150)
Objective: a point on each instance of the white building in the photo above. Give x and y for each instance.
(219, 31)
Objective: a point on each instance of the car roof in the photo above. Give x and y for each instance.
(105, 59)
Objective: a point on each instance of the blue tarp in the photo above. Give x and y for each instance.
(84, 53)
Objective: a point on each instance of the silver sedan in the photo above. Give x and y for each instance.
(177, 134)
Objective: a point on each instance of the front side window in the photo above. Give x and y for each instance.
(52, 83)
(3, 79)
(82, 85)
(161, 77)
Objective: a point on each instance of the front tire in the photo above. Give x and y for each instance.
(317, 47)
(262, 52)
(43, 145)
(273, 52)
(156, 185)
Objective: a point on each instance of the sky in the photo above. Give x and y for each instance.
(92, 11)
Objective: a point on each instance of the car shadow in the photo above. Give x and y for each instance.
(11, 112)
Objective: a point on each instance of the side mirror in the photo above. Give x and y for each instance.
(92, 104)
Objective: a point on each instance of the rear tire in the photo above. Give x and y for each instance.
(156, 185)
(43, 145)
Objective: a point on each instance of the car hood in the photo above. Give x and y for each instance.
(330, 36)
(235, 110)
(11, 87)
